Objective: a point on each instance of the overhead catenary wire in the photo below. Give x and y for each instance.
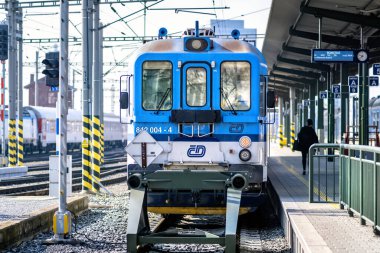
(125, 22)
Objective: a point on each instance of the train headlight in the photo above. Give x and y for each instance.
(245, 155)
(245, 142)
(197, 44)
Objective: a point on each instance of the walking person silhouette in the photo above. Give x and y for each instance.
(306, 138)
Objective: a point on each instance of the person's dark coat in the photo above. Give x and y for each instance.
(306, 138)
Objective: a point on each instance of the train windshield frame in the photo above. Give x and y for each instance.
(157, 85)
(235, 83)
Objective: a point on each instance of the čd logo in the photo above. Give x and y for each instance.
(196, 151)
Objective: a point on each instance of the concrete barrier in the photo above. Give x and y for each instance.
(7, 172)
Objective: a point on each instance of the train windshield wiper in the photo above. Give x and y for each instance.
(163, 99)
(228, 101)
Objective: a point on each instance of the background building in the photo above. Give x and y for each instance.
(225, 27)
(46, 97)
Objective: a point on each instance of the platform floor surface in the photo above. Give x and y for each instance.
(18, 208)
(324, 227)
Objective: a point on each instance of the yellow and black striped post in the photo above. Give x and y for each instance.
(96, 152)
(281, 132)
(86, 155)
(20, 144)
(292, 135)
(12, 143)
(102, 143)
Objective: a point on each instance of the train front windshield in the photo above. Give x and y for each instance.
(157, 85)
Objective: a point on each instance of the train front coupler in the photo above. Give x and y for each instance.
(143, 183)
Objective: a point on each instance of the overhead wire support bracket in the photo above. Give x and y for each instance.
(105, 39)
(188, 8)
(133, 13)
(55, 3)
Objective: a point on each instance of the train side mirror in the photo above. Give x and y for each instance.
(124, 100)
(271, 99)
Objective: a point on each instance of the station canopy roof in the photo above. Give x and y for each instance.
(292, 32)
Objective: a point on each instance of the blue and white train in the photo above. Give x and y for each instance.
(196, 112)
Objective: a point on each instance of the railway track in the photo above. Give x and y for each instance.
(76, 154)
(113, 172)
(248, 236)
(77, 163)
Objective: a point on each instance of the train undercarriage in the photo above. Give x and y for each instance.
(180, 192)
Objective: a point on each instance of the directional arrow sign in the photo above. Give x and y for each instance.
(336, 95)
(353, 89)
(373, 81)
(322, 94)
(376, 69)
(353, 80)
(335, 89)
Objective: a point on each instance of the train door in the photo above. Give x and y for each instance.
(196, 87)
(196, 94)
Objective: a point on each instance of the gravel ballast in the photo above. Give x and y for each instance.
(103, 228)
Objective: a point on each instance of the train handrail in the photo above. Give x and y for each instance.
(356, 162)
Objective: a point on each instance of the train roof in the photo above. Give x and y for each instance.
(74, 115)
(50, 113)
(219, 46)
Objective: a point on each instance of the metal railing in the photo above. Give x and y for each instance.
(354, 185)
(324, 174)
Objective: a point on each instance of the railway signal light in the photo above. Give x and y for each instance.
(3, 42)
(51, 71)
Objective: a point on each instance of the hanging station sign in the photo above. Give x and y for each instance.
(333, 55)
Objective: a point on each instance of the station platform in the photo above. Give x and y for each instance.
(23, 217)
(313, 227)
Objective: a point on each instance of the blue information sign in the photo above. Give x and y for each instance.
(336, 95)
(322, 94)
(373, 81)
(376, 69)
(54, 88)
(335, 89)
(353, 89)
(323, 55)
(353, 80)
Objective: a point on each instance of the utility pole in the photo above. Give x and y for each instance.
(62, 218)
(144, 19)
(20, 136)
(113, 97)
(363, 96)
(86, 127)
(36, 82)
(12, 83)
(96, 132)
(90, 85)
(101, 93)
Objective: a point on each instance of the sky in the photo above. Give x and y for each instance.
(44, 23)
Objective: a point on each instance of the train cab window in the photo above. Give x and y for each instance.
(157, 85)
(196, 87)
(235, 86)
